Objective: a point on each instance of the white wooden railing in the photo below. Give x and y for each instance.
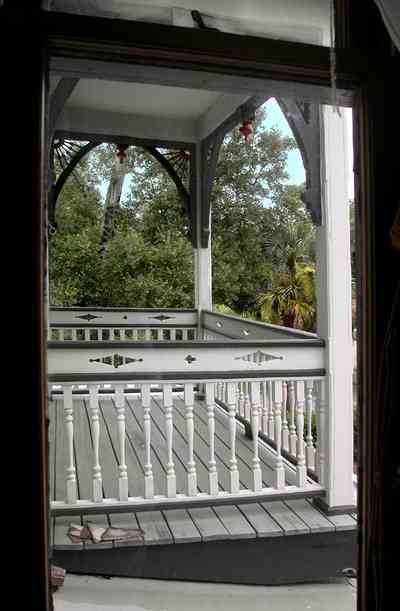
(122, 324)
(268, 379)
(261, 402)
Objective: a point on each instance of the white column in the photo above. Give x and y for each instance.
(202, 277)
(334, 310)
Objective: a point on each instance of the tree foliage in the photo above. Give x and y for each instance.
(262, 236)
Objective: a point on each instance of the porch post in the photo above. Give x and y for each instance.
(201, 251)
(334, 311)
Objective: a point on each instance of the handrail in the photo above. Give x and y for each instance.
(229, 324)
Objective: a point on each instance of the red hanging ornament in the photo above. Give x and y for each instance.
(121, 153)
(247, 129)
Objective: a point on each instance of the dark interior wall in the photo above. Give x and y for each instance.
(377, 163)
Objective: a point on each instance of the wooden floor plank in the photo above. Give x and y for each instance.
(314, 519)
(136, 438)
(208, 524)
(159, 444)
(222, 450)
(267, 466)
(156, 531)
(134, 468)
(108, 461)
(124, 520)
(235, 522)
(286, 518)
(244, 448)
(83, 450)
(260, 520)
(343, 522)
(61, 540)
(201, 450)
(182, 526)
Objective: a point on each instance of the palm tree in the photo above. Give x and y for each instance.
(291, 300)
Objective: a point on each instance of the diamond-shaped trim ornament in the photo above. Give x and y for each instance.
(115, 360)
(88, 317)
(161, 317)
(258, 357)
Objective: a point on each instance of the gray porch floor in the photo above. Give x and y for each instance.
(201, 524)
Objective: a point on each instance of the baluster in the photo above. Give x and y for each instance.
(212, 465)
(191, 465)
(62, 335)
(285, 429)
(94, 408)
(271, 421)
(321, 406)
(301, 459)
(157, 334)
(292, 414)
(310, 452)
(255, 427)
(147, 335)
(184, 334)
(169, 431)
(134, 334)
(69, 428)
(87, 335)
(246, 406)
(74, 336)
(241, 400)
(234, 473)
(264, 408)
(173, 335)
(123, 473)
(279, 469)
(148, 467)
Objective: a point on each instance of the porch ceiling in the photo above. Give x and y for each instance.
(142, 110)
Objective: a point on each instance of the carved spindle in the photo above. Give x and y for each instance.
(279, 469)
(301, 468)
(292, 415)
(271, 419)
(169, 431)
(94, 409)
(320, 456)
(247, 407)
(147, 335)
(285, 428)
(173, 335)
(123, 473)
(148, 467)
(233, 468)
(191, 465)
(241, 399)
(310, 452)
(264, 408)
(255, 427)
(184, 334)
(74, 335)
(69, 429)
(134, 335)
(212, 465)
(87, 335)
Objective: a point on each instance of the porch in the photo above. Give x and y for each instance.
(227, 446)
